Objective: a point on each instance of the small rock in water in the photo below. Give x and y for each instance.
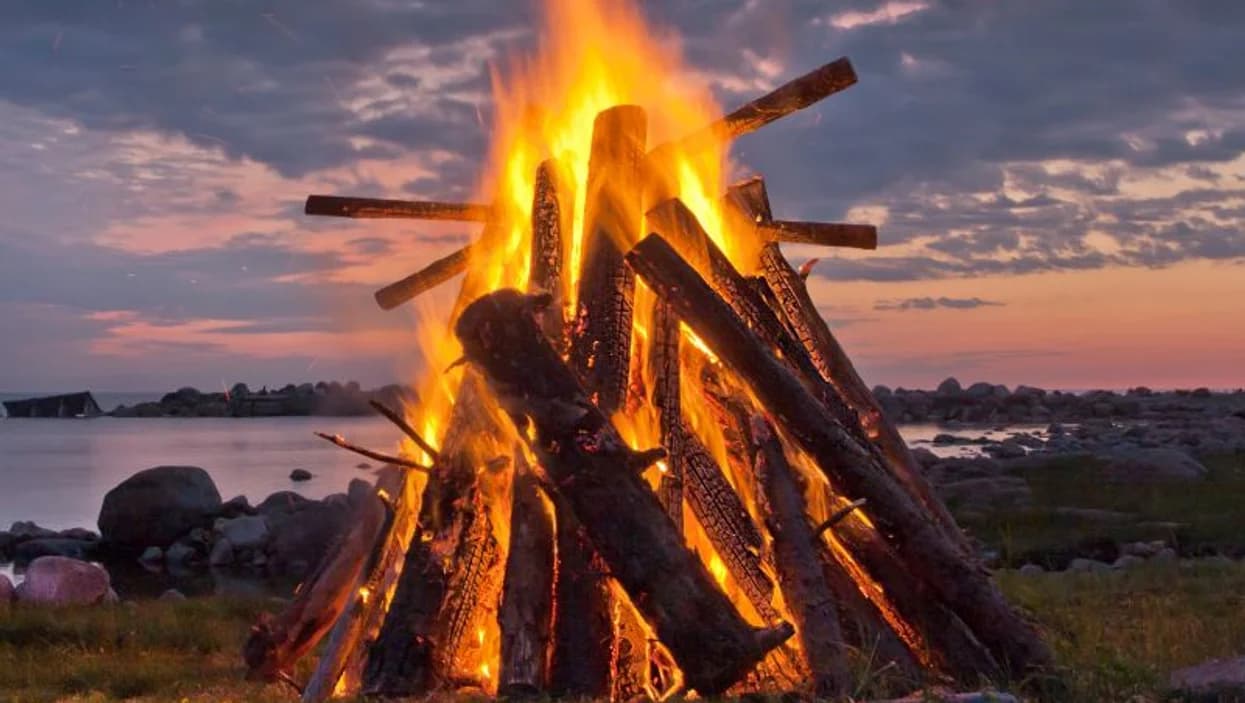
(363, 465)
(300, 475)
(172, 594)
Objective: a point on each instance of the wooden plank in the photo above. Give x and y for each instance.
(379, 208)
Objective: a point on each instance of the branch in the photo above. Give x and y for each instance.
(395, 460)
(406, 428)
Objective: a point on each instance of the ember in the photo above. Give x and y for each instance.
(657, 464)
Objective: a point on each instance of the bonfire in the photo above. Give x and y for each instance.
(641, 464)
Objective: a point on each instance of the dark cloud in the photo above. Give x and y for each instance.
(935, 303)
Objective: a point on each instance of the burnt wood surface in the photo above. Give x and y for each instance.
(851, 468)
(378, 208)
(598, 476)
(526, 611)
(552, 203)
(808, 596)
(423, 280)
(825, 234)
(601, 333)
(663, 360)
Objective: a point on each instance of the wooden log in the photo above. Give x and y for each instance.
(552, 205)
(275, 644)
(832, 361)
(377, 208)
(427, 278)
(804, 588)
(663, 360)
(825, 234)
(594, 471)
(601, 339)
(851, 468)
(790, 97)
(526, 611)
(722, 514)
(581, 657)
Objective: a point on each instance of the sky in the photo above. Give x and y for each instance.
(1059, 186)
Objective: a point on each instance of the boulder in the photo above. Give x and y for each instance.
(23, 530)
(1085, 566)
(56, 580)
(1166, 555)
(1032, 569)
(30, 550)
(79, 533)
(235, 506)
(247, 532)
(1127, 561)
(298, 538)
(6, 591)
(987, 494)
(172, 594)
(179, 554)
(1007, 449)
(158, 505)
(151, 556)
(924, 457)
(300, 475)
(1161, 464)
(950, 386)
(979, 391)
(222, 553)
(7, 543)
(282, 502)
(1217, 679)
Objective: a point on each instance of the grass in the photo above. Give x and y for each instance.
(1199, 517)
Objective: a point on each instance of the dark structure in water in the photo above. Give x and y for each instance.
(69, 405)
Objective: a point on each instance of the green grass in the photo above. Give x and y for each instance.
(1199, 517)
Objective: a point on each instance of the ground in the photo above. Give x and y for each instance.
(1117, 634)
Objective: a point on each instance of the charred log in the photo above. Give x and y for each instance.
(551, 223)
(369, 208)
(663, 359)
(851, 468)
(825, 234)
(427, 278)
(527, 596)
(587, 462)
(581, 658)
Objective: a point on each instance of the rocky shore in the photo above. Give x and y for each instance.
(324, 398)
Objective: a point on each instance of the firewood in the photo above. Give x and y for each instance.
(471, 590)
(581, 657)
(722, 514)
(552, 206)
(341, 206)
(423, 280)
(851, 468)
(790, 97)
(804, 589)
(401, 423)
(663, 360)
(277, 643)
(826, 234)
(601, 338)
(833, 363)
(374, 455)
(586, 460)
(526, 611)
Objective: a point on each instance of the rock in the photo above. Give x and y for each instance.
(1127, 561)
(299, 537)
(987, 494)
(282, 502)
(23, 530)
(1144, 550)
(30, 550)
(1166, 555)
(151, 556)
(235, 506)
(222, 553)
(172, 594)
(1032, 569)
(924, 457)
(1153, 465)
(158, 505)
(1007, 449)
(363, 465)
(79, 533)
(950, 387)
(881, 392)
(1217, 679)
(6, 592)
(7, 543)
(1084, 566)
(979, 391)
(247, 532)
(179, 553)
(56, 580)
(300, 475)
(944, 438)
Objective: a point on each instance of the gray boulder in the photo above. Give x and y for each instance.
(179, 554)
(282, 502)
(299, 537)
(980, 391)
(950, 386)
(246, 532)
(222, 553)
(151, 556)
(1161, 464)
(158, 505)
(1217, 679)
(63, 581)
(30, 550)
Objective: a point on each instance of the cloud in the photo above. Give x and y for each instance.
(934, 303)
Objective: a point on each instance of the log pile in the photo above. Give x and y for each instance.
(769, 524)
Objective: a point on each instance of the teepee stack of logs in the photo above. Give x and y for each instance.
(833, 538)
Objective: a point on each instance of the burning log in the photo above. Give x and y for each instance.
(581, 658)
(833, 363)
(601, 340)
(663, 359)
(277, 643)
(527, 596)
(826, 234)
(427, 278)
(851, 468)
(722, 514)
(551, 219)
(594, 471)
(376, 208)
(804, 587)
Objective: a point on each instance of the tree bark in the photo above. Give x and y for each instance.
(527, 596)
(804, 588)
(851, 468)
(598, 476)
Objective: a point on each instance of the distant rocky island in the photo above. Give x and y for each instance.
(324, 398)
